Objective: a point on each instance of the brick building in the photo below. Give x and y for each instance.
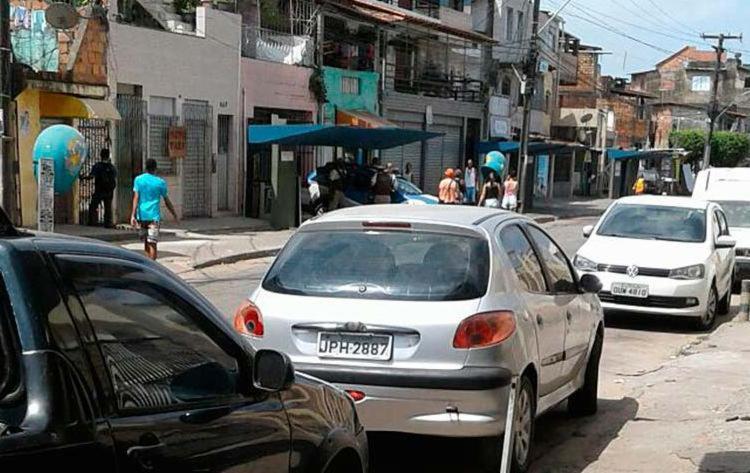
(59, 77)
(681, 85)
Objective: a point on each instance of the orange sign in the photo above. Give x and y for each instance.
(176, 142)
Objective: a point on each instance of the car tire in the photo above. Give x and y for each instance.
(726, 301)
(492, 447)
(585, 401)
(708, 319)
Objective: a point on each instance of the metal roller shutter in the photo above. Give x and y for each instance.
(442, 152)
(411, 153)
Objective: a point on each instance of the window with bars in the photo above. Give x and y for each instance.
(350, 85)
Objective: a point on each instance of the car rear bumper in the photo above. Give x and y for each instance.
(470, 402)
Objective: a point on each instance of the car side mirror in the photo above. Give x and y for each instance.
(725, 241)
(272, 371)
(588, 230)
(590, 284)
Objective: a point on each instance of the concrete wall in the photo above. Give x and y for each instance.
(275, 85)
(367, 99)
(186, 67)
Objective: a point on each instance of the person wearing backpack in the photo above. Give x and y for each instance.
(104, 175)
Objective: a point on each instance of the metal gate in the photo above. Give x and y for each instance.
(196, 199)
(96, 133)
(442, 152)
(128, 158)
(222, 161)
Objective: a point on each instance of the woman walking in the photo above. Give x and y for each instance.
(510, 199)
(491, 191)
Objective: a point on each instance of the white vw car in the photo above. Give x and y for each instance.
(425, 315)
(662, 255)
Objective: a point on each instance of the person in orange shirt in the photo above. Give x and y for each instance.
(640, 186)
(448, 189)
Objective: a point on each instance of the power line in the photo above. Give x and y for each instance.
(669, 16)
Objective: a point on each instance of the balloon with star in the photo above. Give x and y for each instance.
(67, 147)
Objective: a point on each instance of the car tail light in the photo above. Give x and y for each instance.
(484, 330)
(248, 320)
(355, 395)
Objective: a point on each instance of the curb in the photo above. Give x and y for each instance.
(238, 257)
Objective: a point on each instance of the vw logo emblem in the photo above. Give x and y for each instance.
(632, 270)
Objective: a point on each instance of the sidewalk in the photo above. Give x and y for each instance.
(691, 414)
(559, 209)
(208, 226)
(211, 241)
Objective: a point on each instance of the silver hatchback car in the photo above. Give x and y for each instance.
(425, 314)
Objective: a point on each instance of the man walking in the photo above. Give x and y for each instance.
(104, 175)
(470, 178)
(148, 190)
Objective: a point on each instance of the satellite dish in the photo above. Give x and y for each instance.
(61, 16)
(585, 118)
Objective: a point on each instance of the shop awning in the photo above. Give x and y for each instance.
(69, 106)
(535, 147)
(333, 135)
(623, 154)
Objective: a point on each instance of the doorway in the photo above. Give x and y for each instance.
(222, 161)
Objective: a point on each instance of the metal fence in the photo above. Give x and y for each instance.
(197, 116)
(275, 46)
(131, 145)
(96, 133)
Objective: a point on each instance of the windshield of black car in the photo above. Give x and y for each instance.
(655, 222)
(737, 212)
(390, 265)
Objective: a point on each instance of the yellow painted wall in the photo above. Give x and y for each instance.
(28, 123)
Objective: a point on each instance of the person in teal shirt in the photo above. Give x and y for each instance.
(148, 190)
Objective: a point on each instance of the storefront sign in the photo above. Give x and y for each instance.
(499, 127)
(499, 106)
(176, 142)
(46, 195)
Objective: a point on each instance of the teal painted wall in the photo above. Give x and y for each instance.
(367, 99)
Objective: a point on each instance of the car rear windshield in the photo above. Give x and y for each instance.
(737, 212)
(391, 265)
(655, 222)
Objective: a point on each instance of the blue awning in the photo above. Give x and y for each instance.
(332, 135)
(623, 154)
(535, 147)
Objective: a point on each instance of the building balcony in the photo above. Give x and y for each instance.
(275, 46)
(431, 83)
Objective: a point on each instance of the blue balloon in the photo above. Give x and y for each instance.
(68, 148)
(494, 162)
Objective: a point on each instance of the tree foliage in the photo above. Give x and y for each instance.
(727, 148)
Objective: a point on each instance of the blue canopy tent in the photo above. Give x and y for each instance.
(623, 154)
(535, 147)
(333, 135)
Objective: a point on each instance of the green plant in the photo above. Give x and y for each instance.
(185, 6)
(317, 85)
(727, 148)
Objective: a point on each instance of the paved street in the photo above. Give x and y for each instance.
(633, 350)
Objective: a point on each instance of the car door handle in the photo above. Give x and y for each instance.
(539, 320)
(203, 416)
(569, 316)
(144, 453)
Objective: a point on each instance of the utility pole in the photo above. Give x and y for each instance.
(531, 68)
(713, 109)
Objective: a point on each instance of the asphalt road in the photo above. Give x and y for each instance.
(633, 346)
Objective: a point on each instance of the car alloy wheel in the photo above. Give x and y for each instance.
(709, 317)
(524, 419)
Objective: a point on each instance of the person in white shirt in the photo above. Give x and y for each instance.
(470, 178)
